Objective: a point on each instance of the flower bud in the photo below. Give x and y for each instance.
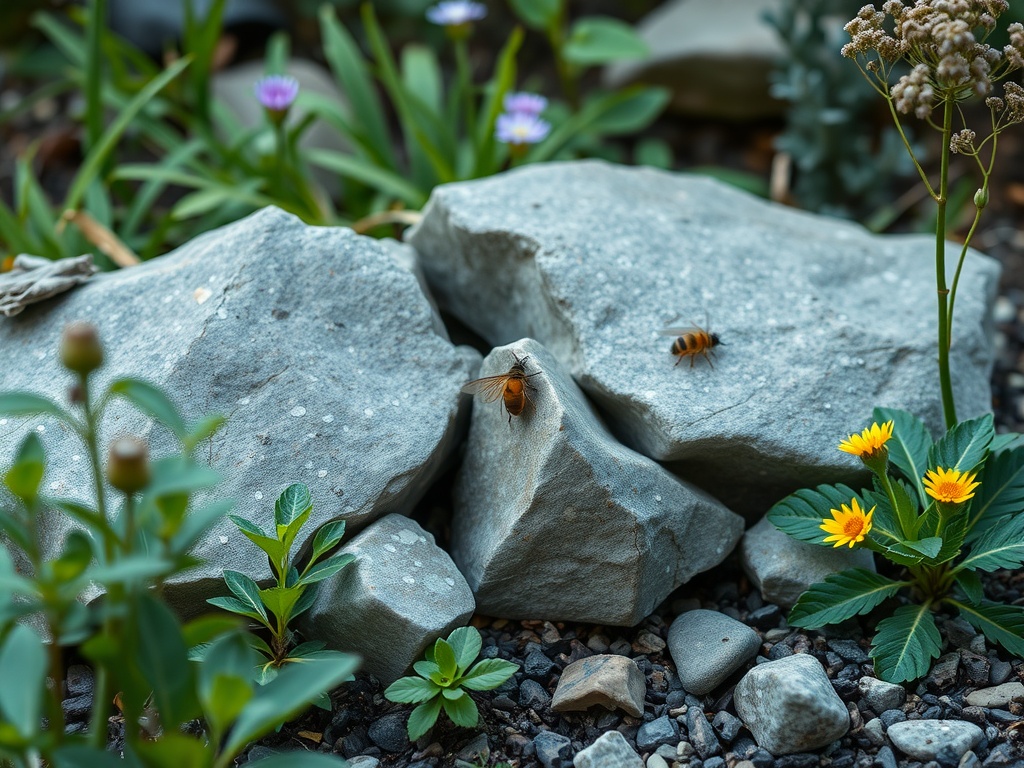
(981, 198)
(80, 348)
(128, 464)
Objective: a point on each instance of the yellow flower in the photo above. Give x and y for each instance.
(869, 443)
(848, 526)
(949, 485)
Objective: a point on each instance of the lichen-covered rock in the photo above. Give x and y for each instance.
(554, 519)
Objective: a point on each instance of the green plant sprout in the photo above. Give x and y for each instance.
(441, 679)
(133, 640)
(294, 592)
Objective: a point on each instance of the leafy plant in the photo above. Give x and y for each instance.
(441, 680)
(136, 644)
(294, 592)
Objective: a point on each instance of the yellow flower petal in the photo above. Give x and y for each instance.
(868, 443)
(949, 486)
(849, 525)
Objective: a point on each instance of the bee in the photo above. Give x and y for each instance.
(513, 387)
(691, 342)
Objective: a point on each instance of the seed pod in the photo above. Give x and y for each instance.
(128, 464)
(80, 348)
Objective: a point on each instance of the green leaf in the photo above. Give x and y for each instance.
(452, 694)
(488, 674)
(842, 595)
(246, 590)
(281, 600)
(964, 446)
(632, 114)
(601, 39)
(502, 81)
(202, 430)
(381, 179)
(163, 660)
(305, 601)
(1002, 546)
(298, 759)
(81, 756)
(541, 15)
(970, 583)
(905, 644)
(892, 527)
(444, 657)
(326, 569)
(465, 642)
(1006, 441)
(1001, 492)
(928, 547)
(909, 446)
(23, 671)
(293, 502)
(173, 750)
(293, 689)
(422, 718)
(428, 670)
(73, 560)
(27, 404)
(327, 537)
(801, 514)
(196, 523)
(234, 605)
(411, 690)
(225, 680)
(1003, 624)
(132, 569)
(208, 628)
(462, 711)
(26, 474)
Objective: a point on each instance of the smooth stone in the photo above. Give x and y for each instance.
(656, 761)
(783, 568)
(311, 341)
(613, 682)
(924, 739)
(553, 493)
(593, 259)
(874, 731)
(363, 761)
(400, 595)
(707, 647)
(611, 750)
(881, 695)
(661, 730)
(553, 749)
(996, 697)
(789, 705)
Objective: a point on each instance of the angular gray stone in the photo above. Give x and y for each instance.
(400, 595)
(584, 528)
(607, 680)
(782, 568)
(713, 69)
(790, 706)
(881, 695)
(707, 647)
(924, 739)
(592, 260)
(661, 730)
(553, 749)
(611, 750)
(996, 697)
(314, 344)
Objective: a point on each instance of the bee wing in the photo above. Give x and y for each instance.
(491, 387)
(680, 331)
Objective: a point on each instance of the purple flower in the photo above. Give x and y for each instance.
(455, 13)
(521, 128)
(525, 103)
(277, 92)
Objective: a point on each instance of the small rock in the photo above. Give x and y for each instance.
(598, 643)
(999, 672)
(885, 758)
(701, 734)
(975, 667)
(764, 618)
(923, 739)
(1002, 754)
(476, 751)
(389, 732)
(538, 667)
(874, 731)
(611, 681)
(661, 730)
(881, 695)
(363, 761)
(891, 716)
(708, 647)
(849, 650)
(943, 674)
(999, 696)
(79, 680)
(648, 643)
(77, 707)
(656, 761)
(553, 749)
(533, 695)
(728, 726)
(789, 705)
(969, 760)
(959, 632)
(713, 762)
(611, 750)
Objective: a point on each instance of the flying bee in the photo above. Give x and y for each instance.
(691, 342)
(513, 387)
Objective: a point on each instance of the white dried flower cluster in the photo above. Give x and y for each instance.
(940, 39)
(963, 142)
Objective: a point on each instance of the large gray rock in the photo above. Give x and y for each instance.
(400, 595)
(924, 739)
(822, 320)
(316, 346)
(707, 647)
(713, 68)
(554, 519)
(790, 705)
(784, 568)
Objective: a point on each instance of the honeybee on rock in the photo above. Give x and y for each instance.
(692, 341)
(513, 387)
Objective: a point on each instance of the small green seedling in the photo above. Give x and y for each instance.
(442, 677)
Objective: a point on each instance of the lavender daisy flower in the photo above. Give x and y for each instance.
(521, 128)
(456, 13)
(276, 93)
(525, 103)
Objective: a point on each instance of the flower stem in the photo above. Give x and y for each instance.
(465, 84)
(945, 382)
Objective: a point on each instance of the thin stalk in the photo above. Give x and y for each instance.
(566, 74)
(465, 76)
(945, 382)
(93, 73)
(910, 151)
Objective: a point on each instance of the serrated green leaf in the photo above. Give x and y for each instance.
(928, 547)
(842, 595)
(411, 690)
(801, 514)
(970, 583)
(888, 526)
(909, 446)
(422, 718)
(461, 710)
(327, 537)
(1002, 546)
(488, 674)
(964, 446)
(151, 401)
(1003, 624)
(466, 644)
(1006, 441)
(600, 39)
(293, 502)
(246, 590)
(1001, 492)
(905, 644)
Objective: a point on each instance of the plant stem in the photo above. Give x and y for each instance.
(465, 84)
(945, 382)
(96, 23)
(556, 37)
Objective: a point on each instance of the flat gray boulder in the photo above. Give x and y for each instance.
(554, 519)
(925, 739)
(707, 647)
(821, 320)
(313, 342)
(400, 595)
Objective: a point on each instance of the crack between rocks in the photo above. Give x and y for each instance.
(720, 410)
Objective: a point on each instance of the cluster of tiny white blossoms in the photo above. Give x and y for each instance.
(943, 41)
